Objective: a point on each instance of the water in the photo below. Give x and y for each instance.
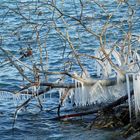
(38, 126)
(17, 32)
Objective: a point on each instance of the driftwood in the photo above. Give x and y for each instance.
(105, 108)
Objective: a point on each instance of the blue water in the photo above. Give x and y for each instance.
(19, 31)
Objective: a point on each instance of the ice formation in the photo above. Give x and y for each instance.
(129, 96)
(104, 68)
(136, 86)
(134, 72)
(93, 93)
(85, 94)
(96, 94)
(5, 95)
(88, 94)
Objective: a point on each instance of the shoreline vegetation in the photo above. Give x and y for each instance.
(104, 77)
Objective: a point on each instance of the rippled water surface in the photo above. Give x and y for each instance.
(32, 124)
(38, 126)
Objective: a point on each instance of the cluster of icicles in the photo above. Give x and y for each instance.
(20, 97)
(95, 94)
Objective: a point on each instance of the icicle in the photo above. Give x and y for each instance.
(61, 92)
(27, 94)
(37, 91)
(34, 89)
(70, 96)
(44, 97)
(129, 96)
(136, 85)
(16, 98)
